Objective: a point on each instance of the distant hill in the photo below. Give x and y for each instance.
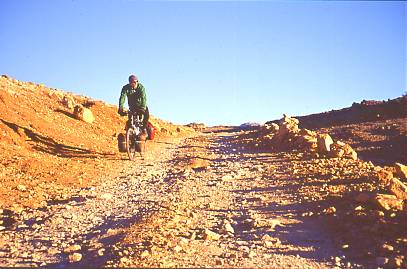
(367, 110)
(376, 129)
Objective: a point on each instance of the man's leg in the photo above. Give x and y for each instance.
(128, 122)
(146, 117)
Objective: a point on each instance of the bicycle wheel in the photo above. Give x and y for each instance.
(131, 144)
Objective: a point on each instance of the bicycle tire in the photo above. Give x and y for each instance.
(131, 144)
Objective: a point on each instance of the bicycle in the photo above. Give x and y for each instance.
(135, 134)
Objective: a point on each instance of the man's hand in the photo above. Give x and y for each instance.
(121, 112)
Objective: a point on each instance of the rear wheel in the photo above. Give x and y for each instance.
(131, 144)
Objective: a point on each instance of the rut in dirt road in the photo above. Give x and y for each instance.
(236, 209)
(81, 231)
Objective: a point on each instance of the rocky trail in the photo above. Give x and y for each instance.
(233, 209)
(83, 227)
(203, 201)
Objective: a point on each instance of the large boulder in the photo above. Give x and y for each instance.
(83, 113)
(384, 175)
(340, 149)
(288, 129)
(401, 170)
(398, 188)
(68, 102)
(270, 127)
(350, 152)
(388, 202)
(324, 142)
(306, 142)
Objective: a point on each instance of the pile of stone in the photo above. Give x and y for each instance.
(197, 126)
(288, 135)
(392, 178)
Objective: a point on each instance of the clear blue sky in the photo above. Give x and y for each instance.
(216, 62)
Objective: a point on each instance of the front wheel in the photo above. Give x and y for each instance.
(131, 144)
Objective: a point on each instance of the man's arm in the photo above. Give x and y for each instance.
(143, 98)
(122, 98)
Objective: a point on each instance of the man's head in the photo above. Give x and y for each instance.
(133, 81)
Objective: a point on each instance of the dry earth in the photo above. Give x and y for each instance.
(223, 198)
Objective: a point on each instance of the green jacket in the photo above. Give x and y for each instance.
(136, 97)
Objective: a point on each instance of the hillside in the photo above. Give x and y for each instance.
(376, 129)
(320, 191)
(47, 154)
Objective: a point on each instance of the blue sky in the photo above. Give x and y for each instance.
(216, 62)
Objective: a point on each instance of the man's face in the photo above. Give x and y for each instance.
(134, 84)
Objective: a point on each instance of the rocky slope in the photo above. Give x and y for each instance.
(297, 192)
(47, 152)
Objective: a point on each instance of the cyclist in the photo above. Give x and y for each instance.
(136, 95)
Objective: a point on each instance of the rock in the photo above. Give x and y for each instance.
(251, 254)
(387, 202)
(197, 163)
(107, 196)
(401, 170)
(271, 242)
(337, 261)
(305, 141)
(274, 127)
(75, 257)
(398, 188)
(384, 176)
(145, 253)
(306, 132)
(270, 223)
(209, 235)
(53, 251)
(197, 126)
(330, 210)
(359, 208)
(219, 262)
(397, 261)
(381, 261)
(101, 252)
(337, 150)
(387, 248)
(68, 102)
(324, 142)
(124, 261)
(21, 187)
(83, 113)
(288, 128)
(227, 228)
(72, 248)
(350, 152)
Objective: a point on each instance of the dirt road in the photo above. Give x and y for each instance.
(204, 201)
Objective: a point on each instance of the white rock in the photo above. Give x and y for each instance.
(75, 257)
(107, 196)
(324, 142)
(83, 113)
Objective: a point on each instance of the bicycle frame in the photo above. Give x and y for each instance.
(136, 122)
(134, 141)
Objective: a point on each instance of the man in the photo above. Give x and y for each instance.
(136, 95)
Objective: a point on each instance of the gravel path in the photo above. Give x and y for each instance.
(241, 211)
(230, 208)
(84, 227)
